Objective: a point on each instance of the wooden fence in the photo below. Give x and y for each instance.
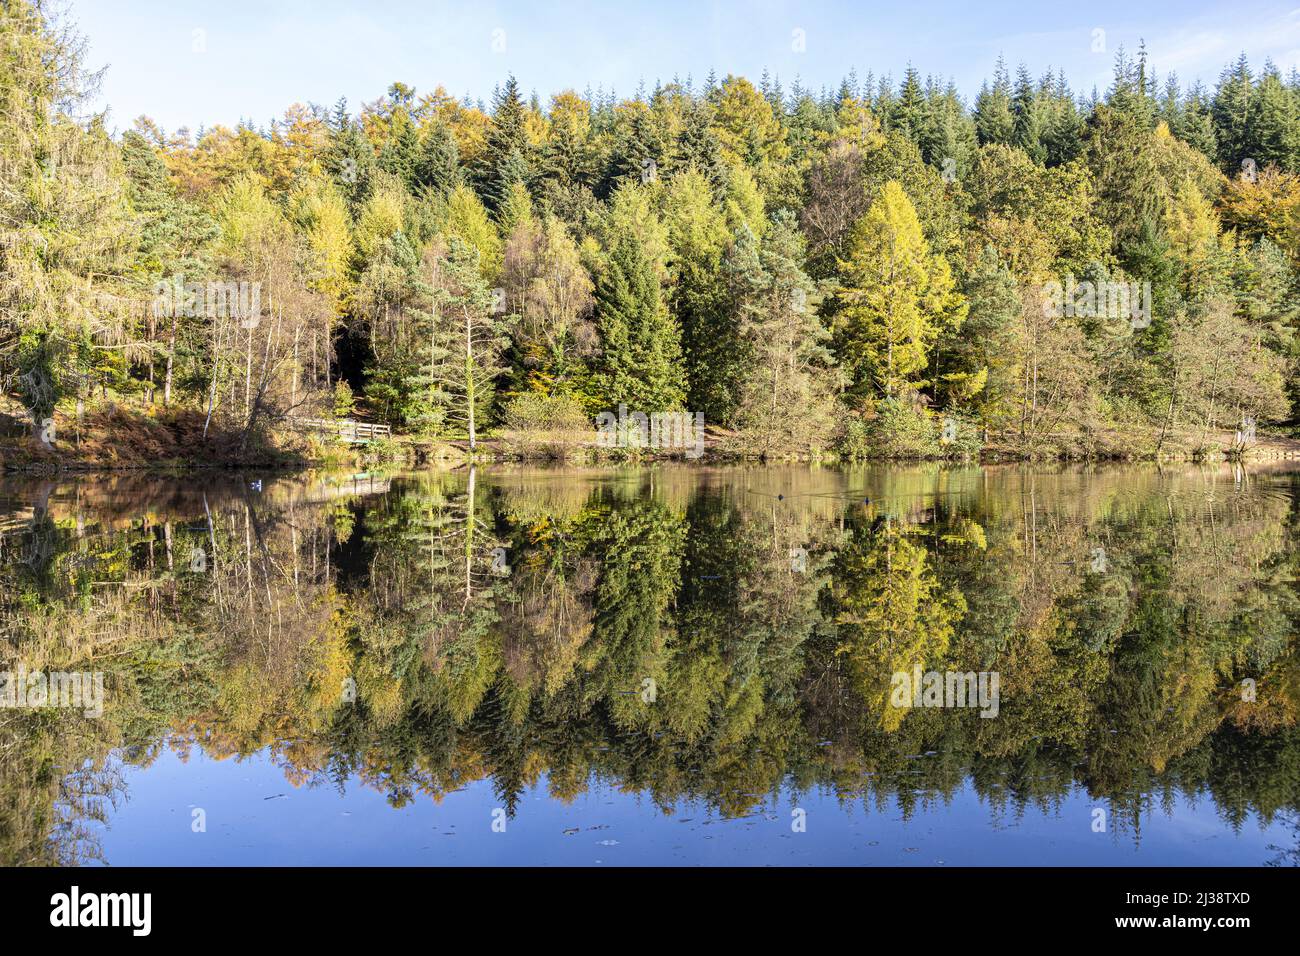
(348, 429)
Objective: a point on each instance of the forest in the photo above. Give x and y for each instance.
(883, 269)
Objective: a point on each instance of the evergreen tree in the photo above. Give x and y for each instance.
(698, 235)
(1062, 134)
(505, 158)
(173, 240)
(995, 120)
(1274, 136)
(1232, 110)
(640, 362)
(1196, 124)
(1028, 128)
(1120, 151)
(400, 155)
(698, 146)
(908, 115)
(437, 168)
(568, 157)
(786, 394)
(350, 159)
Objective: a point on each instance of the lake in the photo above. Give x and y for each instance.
(922, 665)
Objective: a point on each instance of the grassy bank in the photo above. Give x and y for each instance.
(128, 436)
(113, 436)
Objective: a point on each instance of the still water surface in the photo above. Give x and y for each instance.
(667, 665)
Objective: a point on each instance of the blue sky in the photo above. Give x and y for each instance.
(259, 56)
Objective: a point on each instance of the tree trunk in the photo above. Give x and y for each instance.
(171, 356)
(469, 379)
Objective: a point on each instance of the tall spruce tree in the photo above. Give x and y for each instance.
(640, 362)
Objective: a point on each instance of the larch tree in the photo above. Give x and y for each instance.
(897, 297)
(65, 242)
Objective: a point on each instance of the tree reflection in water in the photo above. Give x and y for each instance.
(684, 632)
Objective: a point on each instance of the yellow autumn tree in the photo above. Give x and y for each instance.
(467, 219)
(1193, 231)
(1267, 204)
(381, 217)
(897, 297)
(320, 213)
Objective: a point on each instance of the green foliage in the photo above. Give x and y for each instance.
(624, 251)
(902, 429)
(345, 402)
(550, 426)
(640, 362)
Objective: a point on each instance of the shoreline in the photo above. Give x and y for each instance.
(1282, 450)
(118, 438)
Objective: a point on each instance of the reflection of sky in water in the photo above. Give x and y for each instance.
(320, 826)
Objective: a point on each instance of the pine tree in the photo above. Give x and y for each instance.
(505, 160)
(1231, 110)
(949, 133)
(350, 159)
(438, 167)
(512, 175)
(1120, 151)
(400, 154)
(638, 152)
(994, 119)
(468, 338)
(698, 146)
(1274, 122)
(640, 363)
(1196, 124)
(1062, 134)
(1027, 132)
(979, 367)
(786, 394)
(1130, 92)
(567, 158)
(909, 114)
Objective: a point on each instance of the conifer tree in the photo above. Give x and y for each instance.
(437, 167)
(640, 362)
(994, 119)
(505, 159)
(897, 297)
